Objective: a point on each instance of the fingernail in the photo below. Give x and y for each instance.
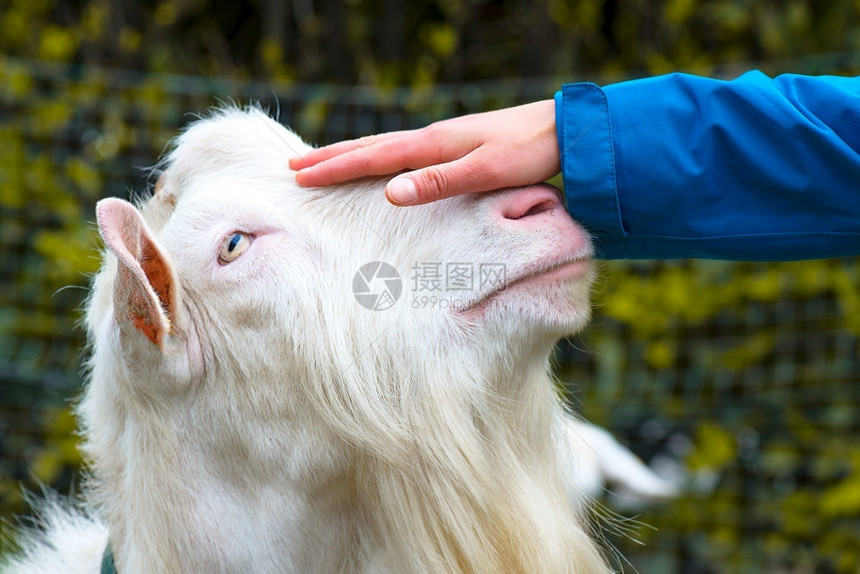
(401, 191)
(298, 162)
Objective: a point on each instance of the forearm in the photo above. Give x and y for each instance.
(681, 166)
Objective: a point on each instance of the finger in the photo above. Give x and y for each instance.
(315, 156)
(388, 155)
(438, 182)
(325, 153)
(353, 164)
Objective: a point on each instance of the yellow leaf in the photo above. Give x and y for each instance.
(714, 448)
(84, 176)
(57, 44)
(440, 37)
(842, 499)
(661, 354)
(46, 466)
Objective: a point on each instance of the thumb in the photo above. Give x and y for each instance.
(402, 190)
(428, 184)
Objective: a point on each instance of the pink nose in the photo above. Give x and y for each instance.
(529, 202)
(539, 209)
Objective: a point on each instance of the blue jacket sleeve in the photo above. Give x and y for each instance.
(682, 166)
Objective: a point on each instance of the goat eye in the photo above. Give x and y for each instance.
(234, 245)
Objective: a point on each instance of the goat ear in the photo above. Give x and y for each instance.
(145, 288)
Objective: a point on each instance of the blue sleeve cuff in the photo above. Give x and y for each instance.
(676, 166)
(588, 165)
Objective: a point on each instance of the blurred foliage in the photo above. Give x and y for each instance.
(746, 373)
(695, 293)
(388, 42)
(51, 460)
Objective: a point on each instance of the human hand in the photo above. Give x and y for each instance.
(480, 152)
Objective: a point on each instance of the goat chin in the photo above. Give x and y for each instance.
(246, 412)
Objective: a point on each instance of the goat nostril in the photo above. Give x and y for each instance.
(527, 202)
(519, 210)
(547, 205)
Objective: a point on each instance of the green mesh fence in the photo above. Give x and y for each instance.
(742, 378)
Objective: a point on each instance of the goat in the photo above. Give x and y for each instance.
(260, 400)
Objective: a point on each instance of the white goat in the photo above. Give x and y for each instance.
(245, 413)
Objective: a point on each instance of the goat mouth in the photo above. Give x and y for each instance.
(557, 272)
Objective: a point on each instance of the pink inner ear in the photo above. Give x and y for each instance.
(160, 276)
(144, 286)
(135, 304)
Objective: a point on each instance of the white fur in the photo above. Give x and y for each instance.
(602, 460)
(275, 425)
(69, 540)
